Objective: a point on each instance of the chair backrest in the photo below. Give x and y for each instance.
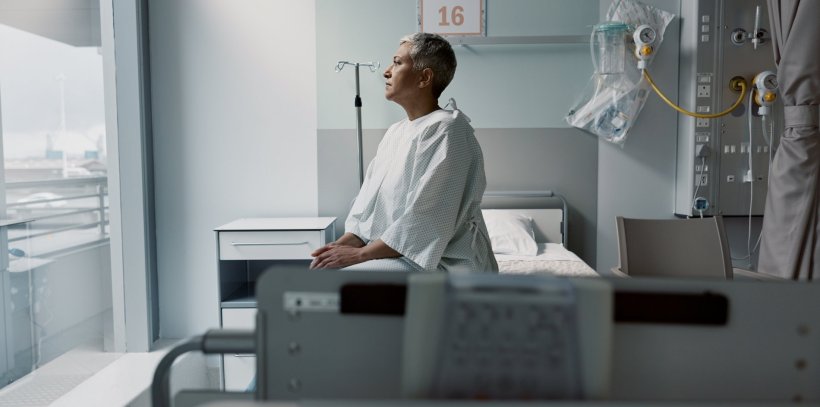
(694, 247)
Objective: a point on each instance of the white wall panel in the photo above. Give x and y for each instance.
(234, 116)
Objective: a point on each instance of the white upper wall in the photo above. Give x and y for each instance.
(234, 116)
(498, 86)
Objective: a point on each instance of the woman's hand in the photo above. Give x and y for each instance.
(350, 250)
(335, 256)
(347, 239)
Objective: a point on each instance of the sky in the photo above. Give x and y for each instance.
(30, 70)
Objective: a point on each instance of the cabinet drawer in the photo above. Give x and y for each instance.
(239, 369)
(239, 318)
(269, 245)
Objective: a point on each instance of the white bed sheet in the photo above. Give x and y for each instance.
(552, 259)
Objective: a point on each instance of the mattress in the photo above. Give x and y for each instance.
(552, 259)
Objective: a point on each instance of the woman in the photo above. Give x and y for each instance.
(418, 208)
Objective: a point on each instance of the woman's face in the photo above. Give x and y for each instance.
(401, 79)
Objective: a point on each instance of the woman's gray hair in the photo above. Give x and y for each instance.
(434, 52)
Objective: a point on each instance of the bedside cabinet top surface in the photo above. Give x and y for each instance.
(305, 223)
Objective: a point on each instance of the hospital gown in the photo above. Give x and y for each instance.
(422, 194)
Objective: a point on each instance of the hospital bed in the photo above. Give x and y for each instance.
(532, 227)
(381, 337)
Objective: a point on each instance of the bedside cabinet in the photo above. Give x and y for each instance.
(247, 247)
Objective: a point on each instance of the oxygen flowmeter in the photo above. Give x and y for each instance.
(644, 37)
(765, 91)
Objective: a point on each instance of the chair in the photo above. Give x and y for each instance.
(694, 247)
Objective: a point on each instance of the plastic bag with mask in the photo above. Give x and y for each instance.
(616, 92)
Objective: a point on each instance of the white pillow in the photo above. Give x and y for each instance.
(510, 233)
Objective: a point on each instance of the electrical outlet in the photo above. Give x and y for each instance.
(701, 180)
(700, 204)
(704, 91)
(701, 122)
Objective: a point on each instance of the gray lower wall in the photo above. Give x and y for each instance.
(558, 159)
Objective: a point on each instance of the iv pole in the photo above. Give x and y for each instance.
(373, 66)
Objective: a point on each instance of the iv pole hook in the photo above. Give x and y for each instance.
(357, 103)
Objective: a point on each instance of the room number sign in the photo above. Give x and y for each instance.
(452, 17)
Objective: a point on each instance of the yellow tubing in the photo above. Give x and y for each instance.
(693, 114)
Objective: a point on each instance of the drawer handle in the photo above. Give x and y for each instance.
(244, 355)
(267, 244)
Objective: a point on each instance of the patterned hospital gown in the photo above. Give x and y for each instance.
(421, 196)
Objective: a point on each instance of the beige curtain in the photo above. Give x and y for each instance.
(791, 224)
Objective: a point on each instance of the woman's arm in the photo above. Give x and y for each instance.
(349, 239)
(339, 256)
(378, 249)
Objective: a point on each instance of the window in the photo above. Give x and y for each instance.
(55, 290)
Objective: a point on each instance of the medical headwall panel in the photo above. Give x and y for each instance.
(720, 169)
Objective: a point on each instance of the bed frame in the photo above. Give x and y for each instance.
(547, 209)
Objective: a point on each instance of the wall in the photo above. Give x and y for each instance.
(249, 124)
(516, 96)
(234, 124)
(638, 180)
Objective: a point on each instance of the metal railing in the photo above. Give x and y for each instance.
(58, 206)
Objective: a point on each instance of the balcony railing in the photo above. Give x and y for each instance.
(54, 265)
(61, 214)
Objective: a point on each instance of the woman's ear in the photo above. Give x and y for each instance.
(426, 78)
